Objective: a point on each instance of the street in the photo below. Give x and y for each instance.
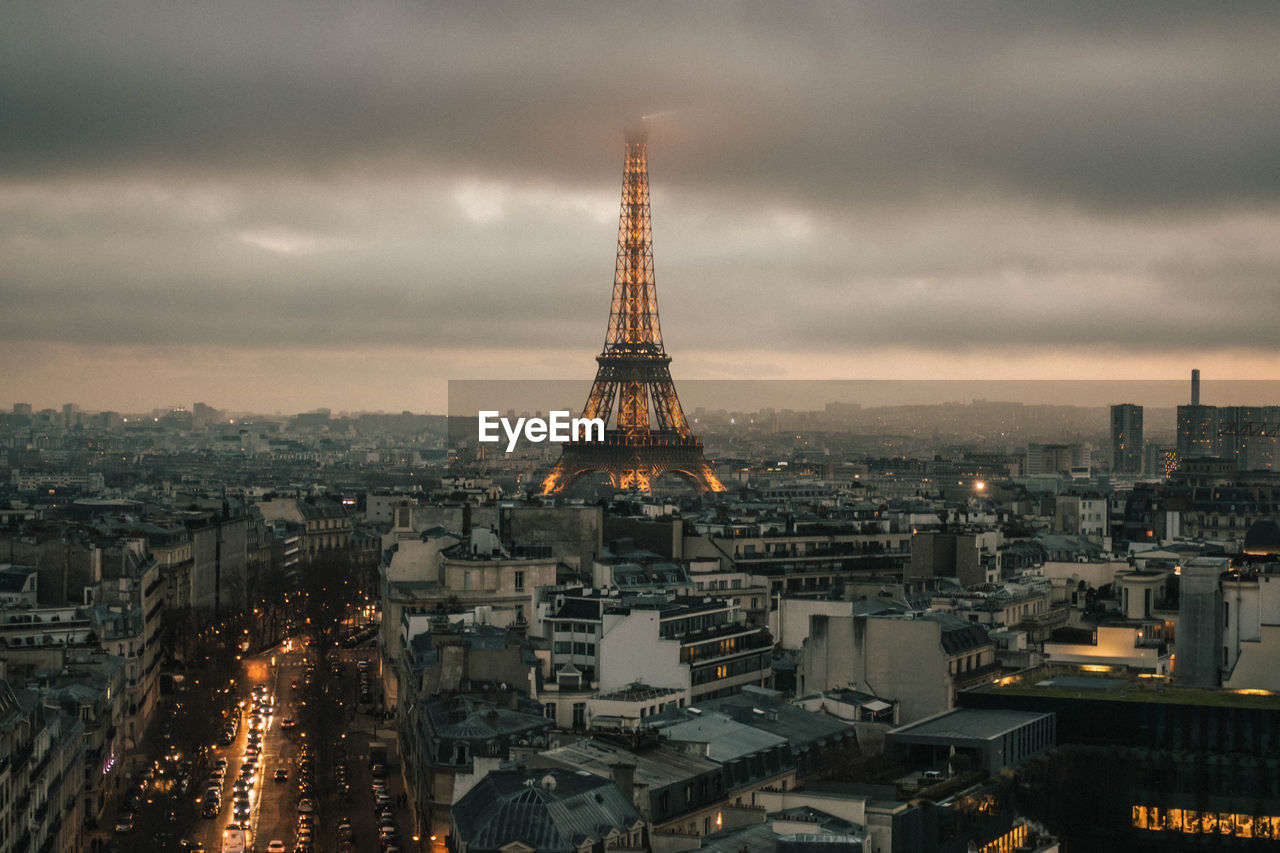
(270, 678)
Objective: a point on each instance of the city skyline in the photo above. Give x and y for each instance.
(275, 210)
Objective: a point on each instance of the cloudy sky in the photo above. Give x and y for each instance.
(279, 206)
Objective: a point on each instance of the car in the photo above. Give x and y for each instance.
(275, 845)
(125, 824)
(305, 806)
(287, 723)
(281, 774)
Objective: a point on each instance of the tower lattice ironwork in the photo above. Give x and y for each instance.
(646, 433)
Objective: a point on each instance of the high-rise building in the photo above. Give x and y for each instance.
(1243, 435)
(1126, 438)
(1197, 425)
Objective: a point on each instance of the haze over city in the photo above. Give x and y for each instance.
(284, 207)
(356, 496)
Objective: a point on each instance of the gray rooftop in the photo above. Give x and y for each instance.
(725, 737)
(967, 724)
(656, 768)
(549, 810)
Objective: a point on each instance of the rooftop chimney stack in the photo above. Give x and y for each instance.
(624, 776)
(1195, 387)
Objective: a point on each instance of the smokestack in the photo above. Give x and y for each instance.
(1195, 387)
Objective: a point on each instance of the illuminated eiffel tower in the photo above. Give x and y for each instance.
(646, 435)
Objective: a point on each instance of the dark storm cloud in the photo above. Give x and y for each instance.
(936, 177)
(1127, 104)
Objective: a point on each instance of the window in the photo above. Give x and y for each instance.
(579, 715)
(519, 580)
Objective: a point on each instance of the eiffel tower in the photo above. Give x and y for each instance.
(646, 435)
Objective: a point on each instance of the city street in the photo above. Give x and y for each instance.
(273, 805)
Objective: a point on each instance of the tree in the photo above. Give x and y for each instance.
(327, 590)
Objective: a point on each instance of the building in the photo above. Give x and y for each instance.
(18, 585)
(970, 558)
(1137, 646)
(41, 776)
(1202, 657)
(918, 662)
(971, 738)
(675, 786)
(1142, 764)
(808, 557)
(450, 744)
(1056, 458)
(481, 571)
(1126, 439)
(698, 645)
(823, 744)
(547, 811)
(327, 524)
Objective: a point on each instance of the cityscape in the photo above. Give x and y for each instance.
(941, 517)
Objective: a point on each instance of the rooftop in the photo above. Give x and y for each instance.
(549, 810)
(969, 724)
(725, 737)
(1115, 684)
(657, 767)
(639, 693)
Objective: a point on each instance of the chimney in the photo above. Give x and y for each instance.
(624, 776)
(1195, 387)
